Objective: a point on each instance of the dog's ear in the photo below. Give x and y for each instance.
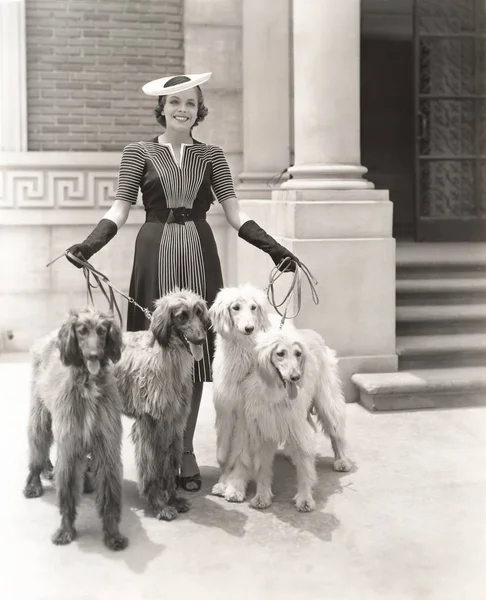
(263, 318)
(114, 341)
(161, 323)
(206, 320)
(219, 314)
(265, 365)
(68, 343)
(303, 359)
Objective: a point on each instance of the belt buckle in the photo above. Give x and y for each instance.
(178, 215)
(181, 215)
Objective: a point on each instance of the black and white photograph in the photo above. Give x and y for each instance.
(243, 299)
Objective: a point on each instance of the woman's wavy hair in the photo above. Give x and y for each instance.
(202, 110)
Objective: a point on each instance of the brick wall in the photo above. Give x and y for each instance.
(86, 63)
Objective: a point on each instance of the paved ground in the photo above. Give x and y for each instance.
(406, 524)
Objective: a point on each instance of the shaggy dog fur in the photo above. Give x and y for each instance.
(75, 402)
(295, 371)
(154, 378)
(238, 314)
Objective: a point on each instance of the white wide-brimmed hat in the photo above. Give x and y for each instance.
(156, 87)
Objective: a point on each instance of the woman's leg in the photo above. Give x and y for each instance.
(190, 479)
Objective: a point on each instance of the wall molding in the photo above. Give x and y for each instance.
(58, 180)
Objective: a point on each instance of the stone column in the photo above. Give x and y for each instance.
(327, 96)
(266, 95)
(327, 213)
(13, 77)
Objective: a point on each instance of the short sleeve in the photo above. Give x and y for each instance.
(221, 180)
(130, 173)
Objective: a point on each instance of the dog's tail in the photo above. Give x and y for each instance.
(328, 402)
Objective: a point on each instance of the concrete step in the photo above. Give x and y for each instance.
(442, 319)
(439, 270)
(422, 388)
(441, 291)
(441, 351)
(440, 260)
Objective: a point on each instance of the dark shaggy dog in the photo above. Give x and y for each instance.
(75, 401)
(154, 378)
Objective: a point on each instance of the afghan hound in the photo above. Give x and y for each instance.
(238, 314)
(295, 372)
(75, 402)
(154, 378)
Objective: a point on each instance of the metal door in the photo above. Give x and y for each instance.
(450, 106)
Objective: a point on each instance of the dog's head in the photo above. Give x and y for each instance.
(89, 338)
(281, 357)
(182, 313)
(239, 311)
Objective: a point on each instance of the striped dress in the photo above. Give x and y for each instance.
(169, 255)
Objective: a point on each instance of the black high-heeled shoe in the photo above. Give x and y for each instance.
(194, 479)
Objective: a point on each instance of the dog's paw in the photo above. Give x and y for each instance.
(167, 513)
(115, 542)
(342, 464)
(218, 489)
(63, 536)
(261, 501)
(33, 490)
(233, 495)
(305, 503)
(180, 504)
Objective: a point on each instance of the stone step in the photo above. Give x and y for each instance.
(441, 291)
(441, 319)
(422, 388)
(440, 260)
(440, 351)
(440, 269)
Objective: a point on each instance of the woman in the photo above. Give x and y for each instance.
(179, 178)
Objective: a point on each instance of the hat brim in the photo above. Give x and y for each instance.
(156, 87)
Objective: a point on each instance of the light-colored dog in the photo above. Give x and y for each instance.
(294, 373)
(238, 314)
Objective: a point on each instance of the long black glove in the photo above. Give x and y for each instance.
(255, 235)
(99, 237)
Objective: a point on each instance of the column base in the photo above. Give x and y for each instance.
(331, 177)
(260, 185)
(348, 246)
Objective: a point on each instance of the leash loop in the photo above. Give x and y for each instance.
(295, 287)
(100, 278)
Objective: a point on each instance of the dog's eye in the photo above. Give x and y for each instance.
(82, 330)
(281, 353)
(236, 307)
(100, 330)
(184, 315)
(298, 353)
(253, 307)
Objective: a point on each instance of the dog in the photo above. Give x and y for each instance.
(237, 314)
(75, 402)
(154, 379)
(295, 373)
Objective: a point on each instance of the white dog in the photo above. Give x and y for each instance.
(237, 315)
(294, 372)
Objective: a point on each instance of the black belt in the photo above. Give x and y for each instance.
(174, 215)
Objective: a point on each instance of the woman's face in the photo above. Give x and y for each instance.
(180, 110)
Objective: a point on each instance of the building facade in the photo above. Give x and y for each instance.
(372, 109)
